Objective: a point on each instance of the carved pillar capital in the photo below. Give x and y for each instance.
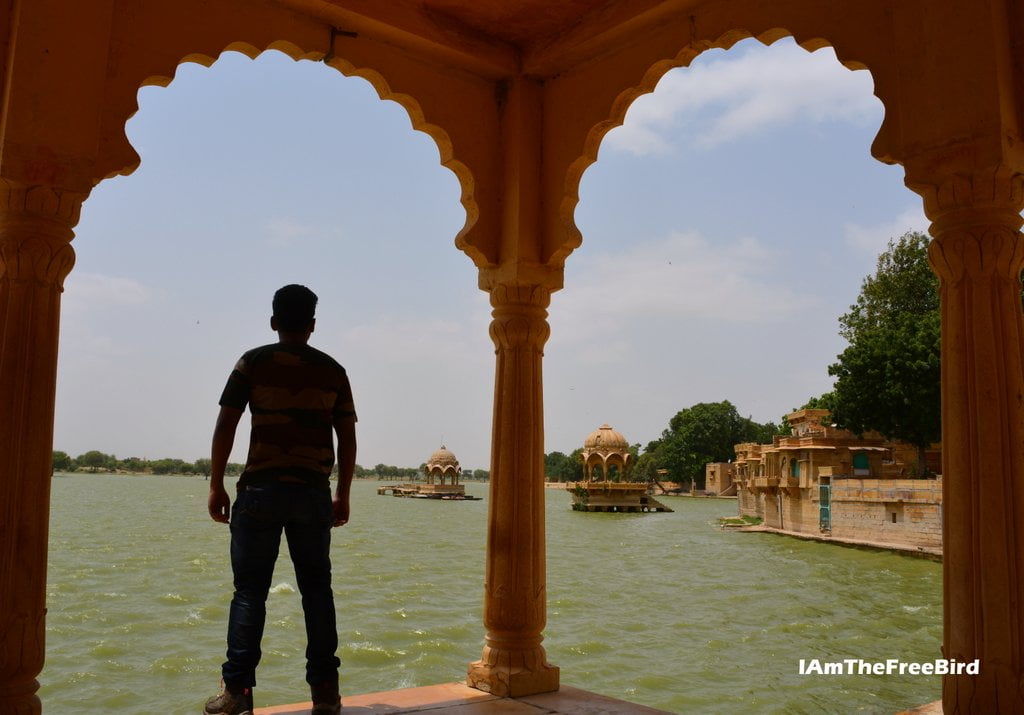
(36, 229)
(520, 317)
(975, 222)
(990, 250)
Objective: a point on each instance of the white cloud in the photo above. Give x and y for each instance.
(97, 290)
(874, 239)
(735, 95)
(89, 301)
(89, 294)
(682, 276)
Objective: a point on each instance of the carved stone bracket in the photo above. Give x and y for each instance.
(513, 662)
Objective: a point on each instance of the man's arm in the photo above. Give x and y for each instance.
(345, 428)
(219, 503)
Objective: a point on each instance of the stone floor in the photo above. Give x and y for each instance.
(463, 700)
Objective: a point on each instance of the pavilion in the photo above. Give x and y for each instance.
(518, 94)
(441, 465)
(606, 454)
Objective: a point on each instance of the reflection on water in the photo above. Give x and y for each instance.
(662, 609)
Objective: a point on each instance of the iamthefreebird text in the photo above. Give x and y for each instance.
(891, 666)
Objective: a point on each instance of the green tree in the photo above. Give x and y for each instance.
(903, 284)
(887, 379)
(92, 460)
(61, 462)
(560, 467)
(705, 432)
(646, 467)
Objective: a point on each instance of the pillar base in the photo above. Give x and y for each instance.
(508, 681)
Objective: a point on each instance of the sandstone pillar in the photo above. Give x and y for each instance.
(515, 608)
(978, 254)
(35, 256)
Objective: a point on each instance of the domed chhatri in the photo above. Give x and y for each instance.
(606, 454)
(442, 466)
(603, 449)
(443, 463)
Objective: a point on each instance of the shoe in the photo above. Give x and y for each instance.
(326, 700)
(231, 701)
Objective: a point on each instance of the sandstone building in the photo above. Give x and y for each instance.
(825, 480)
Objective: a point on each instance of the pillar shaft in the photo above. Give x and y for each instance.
(978, 253)
(35, 256)
(513, 661)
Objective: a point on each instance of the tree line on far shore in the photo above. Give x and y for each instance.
(95, 462)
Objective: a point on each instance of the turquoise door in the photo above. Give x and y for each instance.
(825, 507)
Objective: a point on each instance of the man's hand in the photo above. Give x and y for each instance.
(219, 504)
(340, 504)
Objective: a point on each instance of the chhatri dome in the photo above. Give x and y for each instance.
(604, 448)
(443, 463)
(605, 438)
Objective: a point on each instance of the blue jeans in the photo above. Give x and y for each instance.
(259, 515)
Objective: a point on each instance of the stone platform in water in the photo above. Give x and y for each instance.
(621, 497)
(448, 492)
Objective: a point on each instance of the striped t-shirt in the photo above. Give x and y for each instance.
(295, 393)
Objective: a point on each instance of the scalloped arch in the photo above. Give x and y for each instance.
(441, 140)
(128, 160)
(647, 84)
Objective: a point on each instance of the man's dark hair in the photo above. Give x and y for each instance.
(294, 307)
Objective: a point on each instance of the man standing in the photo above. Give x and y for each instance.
(297, 396)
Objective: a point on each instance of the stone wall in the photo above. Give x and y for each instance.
(799, 512)
(899, 512)
(748, 503)
(906, 512)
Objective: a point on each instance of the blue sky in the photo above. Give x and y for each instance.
(726, 226)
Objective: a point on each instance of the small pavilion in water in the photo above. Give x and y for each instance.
(442, 465)
(606, 451)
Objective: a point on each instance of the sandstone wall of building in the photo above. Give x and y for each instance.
(898, 512)
(748, 503)
(906, 512)
(800, 513)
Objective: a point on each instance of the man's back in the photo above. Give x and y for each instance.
(295, 393)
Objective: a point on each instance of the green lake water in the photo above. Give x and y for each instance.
(661, 609)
